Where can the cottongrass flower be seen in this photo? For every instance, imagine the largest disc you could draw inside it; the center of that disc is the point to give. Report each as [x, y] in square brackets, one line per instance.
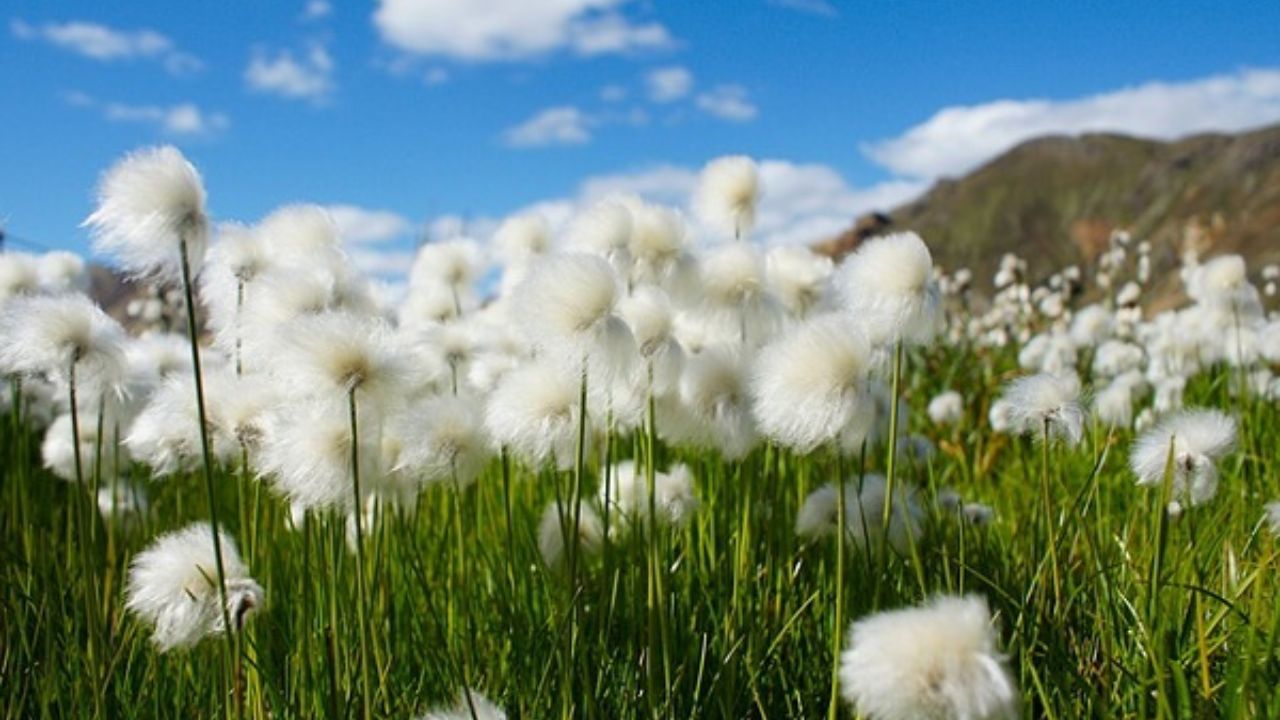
[62, 272]
[798, 277]
[557, 525]
[946, 408]
[45, 336]
[605, 229]
[712, 406]
[864, 515]
[566, 301]
[173, 587]
[809, 384]
[470, 705]
[151, 211]
[726, 196]
[19, 275]
[534, 412]
[443, 440]
[936, 662]
[888, 286]
[453, 265]
[57, 450]
[648, 312]
[1198, 438]
[121, 500]
[306, 452]
[338, 353]
[627, 493]
[1046, 406]
[302, 236]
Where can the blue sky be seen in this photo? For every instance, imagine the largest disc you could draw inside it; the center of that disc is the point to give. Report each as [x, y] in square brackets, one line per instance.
[441, 116]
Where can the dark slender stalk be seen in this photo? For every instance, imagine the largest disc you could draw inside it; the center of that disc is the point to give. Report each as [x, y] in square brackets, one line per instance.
[833, 707]
[193, 334]
[890, 463]
[366, 684]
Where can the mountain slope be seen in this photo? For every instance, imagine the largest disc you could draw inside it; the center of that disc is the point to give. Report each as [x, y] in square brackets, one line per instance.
[1055, 200]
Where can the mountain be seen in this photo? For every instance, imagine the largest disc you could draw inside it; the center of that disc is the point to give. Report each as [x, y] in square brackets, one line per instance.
[1055, 201]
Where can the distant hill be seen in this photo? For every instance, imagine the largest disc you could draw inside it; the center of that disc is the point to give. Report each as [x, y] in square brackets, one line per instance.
[1055, 201]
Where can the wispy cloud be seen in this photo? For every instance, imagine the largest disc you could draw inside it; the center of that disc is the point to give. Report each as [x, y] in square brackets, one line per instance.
[306, 76]
[363, 225]
[316, 10]
[957, 139]
[668, 84]
[821, 8]
[106, 44]
[728, 102]
[563, 125]
[505, 30]
[181, 119]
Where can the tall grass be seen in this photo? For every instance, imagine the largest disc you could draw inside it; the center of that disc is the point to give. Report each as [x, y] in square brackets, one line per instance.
[1147, 616]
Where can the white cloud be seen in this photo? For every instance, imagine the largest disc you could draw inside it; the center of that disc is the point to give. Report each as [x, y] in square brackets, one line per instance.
[822, 8]
[309, 77]
[490, 30]
[435, 76]
[316, 9]
[613, 93]
[105, 44]
[564, 125]
[365, 225]
[728, 102]
[182, 119]
[957, 139]
[669, 84]
[800, 203]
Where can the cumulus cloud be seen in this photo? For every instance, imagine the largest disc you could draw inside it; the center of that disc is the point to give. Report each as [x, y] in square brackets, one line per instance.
[957, 139]
[369, 226]
[181, 119]
[563, 125]
[497, 30]
[668, 84]
[727, 102]
[303, 77]
[106, 44]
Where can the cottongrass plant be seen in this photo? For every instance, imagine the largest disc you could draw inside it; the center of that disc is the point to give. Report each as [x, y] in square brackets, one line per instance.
[935, 662]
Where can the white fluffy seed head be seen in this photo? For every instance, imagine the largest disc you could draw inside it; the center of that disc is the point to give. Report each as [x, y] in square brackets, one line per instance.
[936, 662]
[306, 454]
[1197, 439]
[44, 335]
[864, 515]
[604, 229]
[798, 277]
[713, 405]
[470, 705]
[302, 237]
[557, 525]
[888, 285]
[657, 244]
[1046, 403]
[1091, 325]
[727, 193]
[732, 275]
[173, 586]
[627, 495]
[443, 440]
[149, 204]
[808, 384]
[1271, 516]
[946, 408]
[534, 412]
[566, 300]
[61, 272]
[58, 453]
[19, 275]
[649, 314]
[453, 264]
[523, 238]
[332, 354]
